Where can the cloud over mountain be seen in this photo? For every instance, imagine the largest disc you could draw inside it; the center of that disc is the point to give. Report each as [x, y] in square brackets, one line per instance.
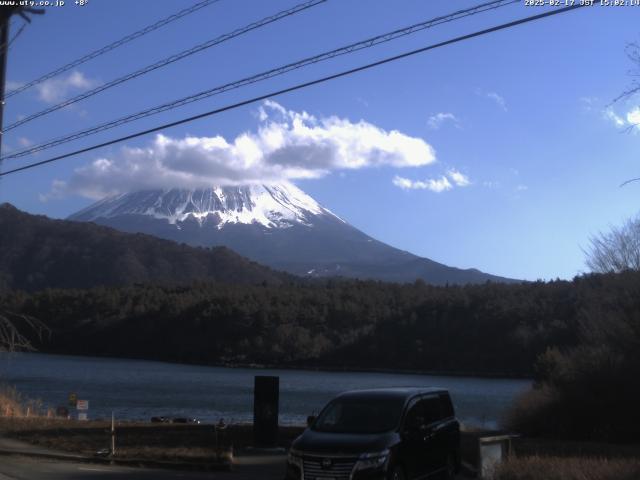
[287, 145]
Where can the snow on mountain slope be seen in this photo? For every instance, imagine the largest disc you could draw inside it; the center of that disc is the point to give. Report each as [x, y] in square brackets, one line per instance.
[271, 206]
[276, 225]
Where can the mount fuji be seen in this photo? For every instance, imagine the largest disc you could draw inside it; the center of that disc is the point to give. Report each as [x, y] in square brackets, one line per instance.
[276, 225]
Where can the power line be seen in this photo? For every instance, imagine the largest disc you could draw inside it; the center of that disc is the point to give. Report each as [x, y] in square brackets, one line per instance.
[368, 43]
[112, 46]
[299, 86]
[168, 60]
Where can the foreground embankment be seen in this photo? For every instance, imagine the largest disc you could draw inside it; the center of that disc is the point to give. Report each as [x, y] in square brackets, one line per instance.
[569, 468]
[136, 440]
[533, 459]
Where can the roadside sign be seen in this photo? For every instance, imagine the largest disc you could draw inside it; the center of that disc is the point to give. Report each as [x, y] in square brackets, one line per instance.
[83, 416]
[493, 451]
[82, 404]
[73, 398]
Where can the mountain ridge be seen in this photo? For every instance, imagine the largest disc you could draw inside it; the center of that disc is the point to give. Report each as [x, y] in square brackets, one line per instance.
[37, 252]
[276, 225]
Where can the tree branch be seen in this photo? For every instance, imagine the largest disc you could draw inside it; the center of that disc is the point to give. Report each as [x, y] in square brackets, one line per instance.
[12, 331]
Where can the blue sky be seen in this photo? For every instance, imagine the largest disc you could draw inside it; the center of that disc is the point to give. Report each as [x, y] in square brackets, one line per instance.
[528, 154]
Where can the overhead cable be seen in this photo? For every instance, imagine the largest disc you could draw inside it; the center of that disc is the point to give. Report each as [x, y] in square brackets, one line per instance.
[167, 61]
[298, 87]
[367, 43]
[112, 46]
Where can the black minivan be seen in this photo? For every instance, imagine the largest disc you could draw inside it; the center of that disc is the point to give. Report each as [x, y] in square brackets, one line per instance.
[382, 434]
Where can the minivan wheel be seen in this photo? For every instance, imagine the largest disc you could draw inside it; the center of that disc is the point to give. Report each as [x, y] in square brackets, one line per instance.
[397, 473]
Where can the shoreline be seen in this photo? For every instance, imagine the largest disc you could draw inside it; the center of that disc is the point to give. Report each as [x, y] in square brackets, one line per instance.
[300, 367]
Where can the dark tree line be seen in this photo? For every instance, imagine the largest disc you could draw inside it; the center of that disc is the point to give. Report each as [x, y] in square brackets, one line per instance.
[590, 389]
[490, 329]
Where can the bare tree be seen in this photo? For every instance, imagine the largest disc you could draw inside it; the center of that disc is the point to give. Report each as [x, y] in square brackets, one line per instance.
[12, 328]
[633, 52]
[617, 250]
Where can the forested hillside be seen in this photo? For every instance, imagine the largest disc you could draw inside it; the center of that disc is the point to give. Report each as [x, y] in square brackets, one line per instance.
[37, 252]
[482, 329]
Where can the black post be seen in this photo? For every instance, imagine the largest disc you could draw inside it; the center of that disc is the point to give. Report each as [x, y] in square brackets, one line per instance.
[5, 15]
[265, 411]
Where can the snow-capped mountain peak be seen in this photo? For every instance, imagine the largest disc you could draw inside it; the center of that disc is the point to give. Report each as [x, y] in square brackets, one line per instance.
[276, 225]
[271, 206]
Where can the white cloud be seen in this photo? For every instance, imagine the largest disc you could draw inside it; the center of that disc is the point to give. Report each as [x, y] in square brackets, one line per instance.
[588, 103]
[633, 116]
[458, 178]
[499, 99]
[521, 188]
[270, 105]
[494, 96]
[287, 145]
[613, 117]
[438, 185]
[436, 121]
[24, 142]
[362, 101]
[56, 89]
[630, 120]
[12, 85]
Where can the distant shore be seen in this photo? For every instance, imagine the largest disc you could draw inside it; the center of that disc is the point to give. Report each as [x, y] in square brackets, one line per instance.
[310, 367]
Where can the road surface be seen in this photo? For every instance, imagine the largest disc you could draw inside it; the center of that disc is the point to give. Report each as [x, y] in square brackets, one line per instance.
[26, 468]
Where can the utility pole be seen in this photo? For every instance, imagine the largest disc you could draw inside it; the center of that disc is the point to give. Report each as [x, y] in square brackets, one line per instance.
[4, 48]
[5, 17]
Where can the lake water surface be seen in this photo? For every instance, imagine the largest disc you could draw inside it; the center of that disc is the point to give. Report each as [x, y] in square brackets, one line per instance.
[139, 389]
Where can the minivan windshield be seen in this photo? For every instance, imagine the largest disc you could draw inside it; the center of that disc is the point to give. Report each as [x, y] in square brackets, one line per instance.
[360, 415]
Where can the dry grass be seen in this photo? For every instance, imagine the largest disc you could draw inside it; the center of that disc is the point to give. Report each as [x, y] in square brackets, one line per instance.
[12, 404]
[568, 468]
[550, 447]
[535, 413]
[173, 454]
[135, 439]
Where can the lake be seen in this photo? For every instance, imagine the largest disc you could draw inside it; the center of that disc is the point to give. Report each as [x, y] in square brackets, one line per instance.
[139, 389]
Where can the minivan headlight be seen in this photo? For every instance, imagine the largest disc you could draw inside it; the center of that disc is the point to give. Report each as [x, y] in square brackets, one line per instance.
[295, 457]
[372, 460]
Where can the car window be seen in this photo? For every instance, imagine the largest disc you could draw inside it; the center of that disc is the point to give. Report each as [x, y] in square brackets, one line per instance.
[415, 416]
[432, 407]
[360, 415]
[332, 416]
[447, 407]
